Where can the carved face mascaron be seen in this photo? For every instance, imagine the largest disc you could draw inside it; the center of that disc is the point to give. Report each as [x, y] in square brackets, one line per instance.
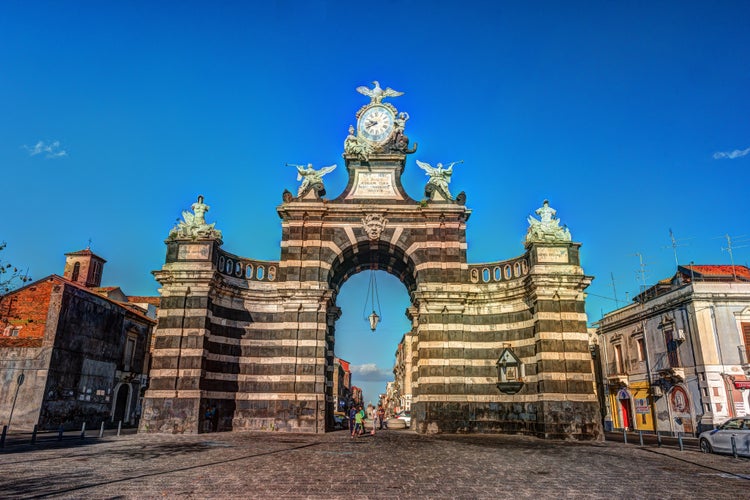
[376, 124]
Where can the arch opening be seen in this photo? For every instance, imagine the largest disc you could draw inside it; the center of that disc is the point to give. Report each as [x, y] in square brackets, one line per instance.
[369, 355]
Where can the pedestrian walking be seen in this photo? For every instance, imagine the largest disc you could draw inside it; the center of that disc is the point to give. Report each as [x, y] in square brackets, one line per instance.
[359, 422]
[373, 416]
[381, 417]
[352, 420]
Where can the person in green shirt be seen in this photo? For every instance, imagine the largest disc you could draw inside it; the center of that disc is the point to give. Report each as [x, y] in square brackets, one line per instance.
[359, 420]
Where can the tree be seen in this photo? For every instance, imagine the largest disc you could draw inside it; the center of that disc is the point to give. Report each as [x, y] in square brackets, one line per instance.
[10, 275]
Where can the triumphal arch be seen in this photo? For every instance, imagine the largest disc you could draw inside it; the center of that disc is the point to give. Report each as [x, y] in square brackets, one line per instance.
[243, 344]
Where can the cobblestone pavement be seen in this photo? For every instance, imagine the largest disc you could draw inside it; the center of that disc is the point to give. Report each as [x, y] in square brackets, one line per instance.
[392, 464]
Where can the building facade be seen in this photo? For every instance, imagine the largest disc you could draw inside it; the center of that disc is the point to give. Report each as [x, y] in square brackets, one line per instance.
[402, 372]
[72, 352]
[676, 360]
[342, 384]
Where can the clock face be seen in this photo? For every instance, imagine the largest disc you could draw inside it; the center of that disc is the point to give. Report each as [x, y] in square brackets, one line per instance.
[376, 124]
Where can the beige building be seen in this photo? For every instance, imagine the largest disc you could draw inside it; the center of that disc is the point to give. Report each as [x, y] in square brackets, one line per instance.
[402, 372]
[676, 360]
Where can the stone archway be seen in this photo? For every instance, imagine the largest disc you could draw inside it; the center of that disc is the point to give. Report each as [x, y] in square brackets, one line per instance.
[256, 337]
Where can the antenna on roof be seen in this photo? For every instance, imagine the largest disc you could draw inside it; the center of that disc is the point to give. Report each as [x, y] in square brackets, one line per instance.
[729, 248]
[614, 290]
[641, 271]
[674, 246]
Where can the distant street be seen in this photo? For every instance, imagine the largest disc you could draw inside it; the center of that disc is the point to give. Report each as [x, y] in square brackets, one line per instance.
[392, 464]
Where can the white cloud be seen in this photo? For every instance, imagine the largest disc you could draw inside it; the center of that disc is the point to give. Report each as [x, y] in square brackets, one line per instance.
[51, 150]
[737, 153]
[369, 372]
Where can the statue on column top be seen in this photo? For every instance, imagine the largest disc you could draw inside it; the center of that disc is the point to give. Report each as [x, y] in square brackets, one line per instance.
[193, 226]
[547, 228]
[440, 177]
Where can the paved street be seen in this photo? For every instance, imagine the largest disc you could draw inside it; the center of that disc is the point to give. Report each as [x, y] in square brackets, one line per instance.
[392, 464]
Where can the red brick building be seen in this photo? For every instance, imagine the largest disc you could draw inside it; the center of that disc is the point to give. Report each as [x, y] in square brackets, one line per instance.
[71, 351]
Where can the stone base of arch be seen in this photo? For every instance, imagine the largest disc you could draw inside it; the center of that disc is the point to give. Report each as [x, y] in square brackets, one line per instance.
[545, 419]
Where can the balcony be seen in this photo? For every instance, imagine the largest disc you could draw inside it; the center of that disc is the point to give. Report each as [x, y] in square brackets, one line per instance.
[674, 374]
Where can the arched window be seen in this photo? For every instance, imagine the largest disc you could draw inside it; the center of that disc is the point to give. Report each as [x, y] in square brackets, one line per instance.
[76, 271]
[249, 272]
[271, 273]
[260, 273]
[498, 274]
[485, 275]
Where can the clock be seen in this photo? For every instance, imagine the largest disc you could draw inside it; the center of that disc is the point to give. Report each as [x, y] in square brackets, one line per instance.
[376, 124]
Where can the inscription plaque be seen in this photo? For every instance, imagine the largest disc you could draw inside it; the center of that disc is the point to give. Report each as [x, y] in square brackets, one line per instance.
[557, 255]
[193, 252]
[374, 184]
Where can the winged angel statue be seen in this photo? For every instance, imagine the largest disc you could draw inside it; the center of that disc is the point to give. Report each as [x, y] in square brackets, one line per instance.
[440, 177]
[309, 176]
[377, 94]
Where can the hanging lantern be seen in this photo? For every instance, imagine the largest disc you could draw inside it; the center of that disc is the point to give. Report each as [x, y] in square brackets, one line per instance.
[373, 319]
[373, 298]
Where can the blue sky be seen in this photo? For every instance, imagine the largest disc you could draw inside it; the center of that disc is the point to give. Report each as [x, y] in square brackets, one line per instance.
[115, 116]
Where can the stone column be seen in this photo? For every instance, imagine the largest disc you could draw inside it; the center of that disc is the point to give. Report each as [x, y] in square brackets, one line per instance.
[565, 382]
[175, 400]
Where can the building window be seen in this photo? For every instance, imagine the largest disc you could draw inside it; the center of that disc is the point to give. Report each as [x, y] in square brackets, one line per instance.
[746, 336]
[618, 359]
[640, 343]
[672, 343]
[14, 332]
[129, 353]
[76, 271]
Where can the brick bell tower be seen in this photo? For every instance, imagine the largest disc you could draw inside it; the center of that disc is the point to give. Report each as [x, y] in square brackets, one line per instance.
[84, 267]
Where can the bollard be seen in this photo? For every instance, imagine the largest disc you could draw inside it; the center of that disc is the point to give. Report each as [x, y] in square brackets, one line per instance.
[101, 430]
[679, 441]
[658, 439]
[734, 447]
[33, 435]
[60, 433]
[83, 431]
[2, 437]
[625, 436]
[119, 427]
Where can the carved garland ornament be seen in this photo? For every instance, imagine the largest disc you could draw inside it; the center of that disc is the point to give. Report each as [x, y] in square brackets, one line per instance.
[374, 224]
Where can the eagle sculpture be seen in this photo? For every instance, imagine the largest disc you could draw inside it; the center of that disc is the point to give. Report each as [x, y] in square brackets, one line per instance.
[377, 94]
